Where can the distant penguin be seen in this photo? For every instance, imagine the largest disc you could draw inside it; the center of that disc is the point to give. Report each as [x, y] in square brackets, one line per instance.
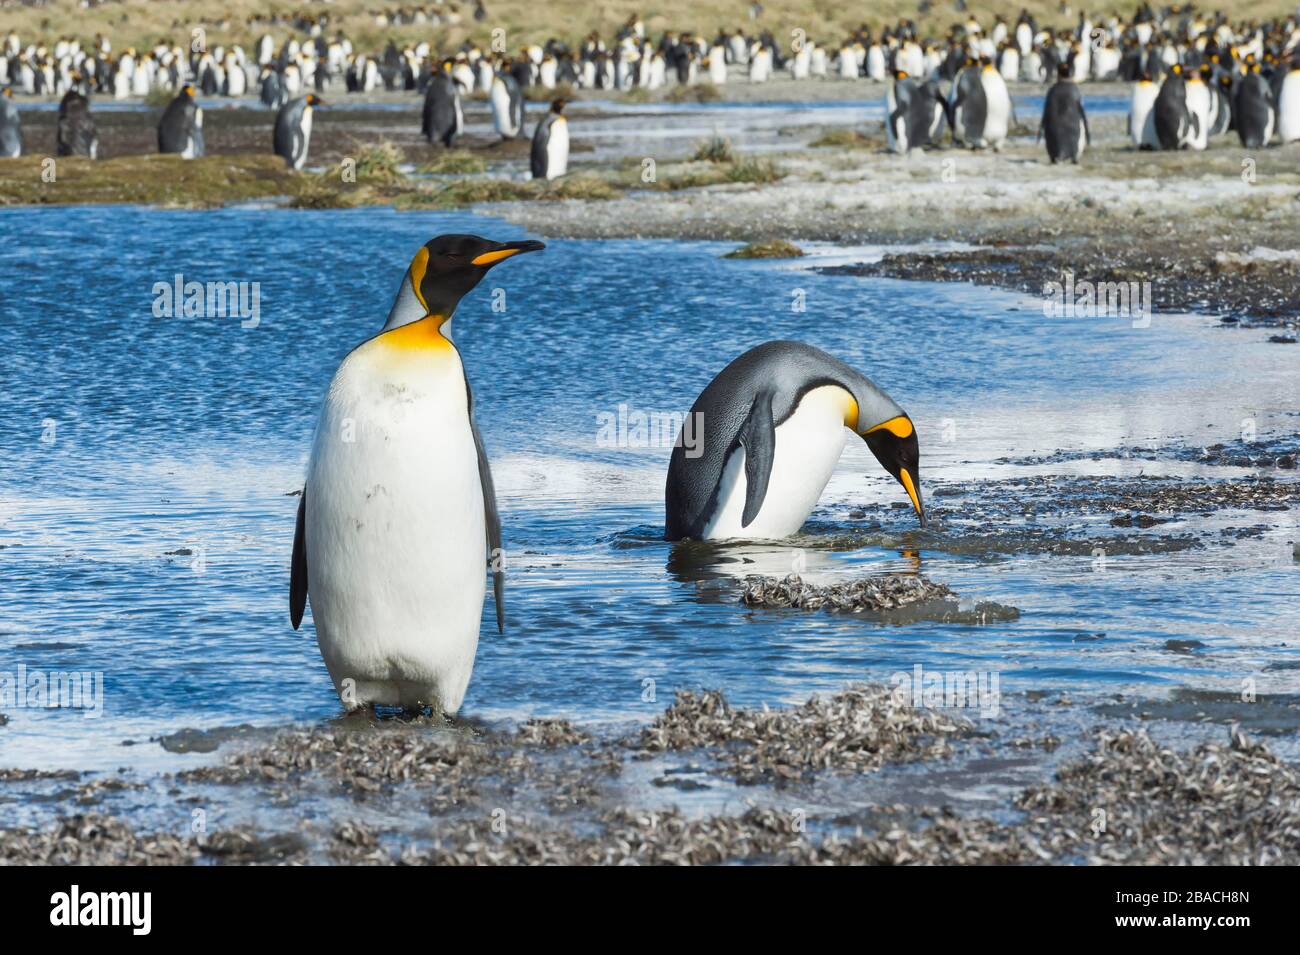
[77, 135]
[507, 103]
[1288, 105]
[1142, 113]
[397, 523]
[442, 120]
[1064, 125]
[180, 131]
[1255, 110]
[999, 113]
[967, 106]
[271, 90]
[773, 428]
[11, 134]
[1175, 124]
[909, 114]
[1222, 90]
[292, 136]
[550, 154]
[1200, 104]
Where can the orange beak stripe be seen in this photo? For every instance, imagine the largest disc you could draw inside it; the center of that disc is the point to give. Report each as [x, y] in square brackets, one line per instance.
[491, 258]
[911, 489]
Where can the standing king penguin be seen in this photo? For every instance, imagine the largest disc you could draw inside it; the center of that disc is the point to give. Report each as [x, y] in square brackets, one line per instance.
[441, 119]
[507, 102]
[77, 134]
[1064, 124]
[11, 133]
[1255, 109]
[773, 428]
[180, 130]
[1176, 125]
[292, 135]
[398, 518]
[550, 153]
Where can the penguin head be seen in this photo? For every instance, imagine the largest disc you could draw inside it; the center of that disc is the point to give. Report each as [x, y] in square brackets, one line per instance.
[314, 100]
[894, 444]
[557, 105]
[444, 270]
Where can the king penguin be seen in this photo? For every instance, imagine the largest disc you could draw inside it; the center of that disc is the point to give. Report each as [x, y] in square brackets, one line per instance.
[507, 103]
[292, 135]
[181, 128]
[773, 428]
[398, 520]
[1176, 125]
[1288, 104]
[550, 154]
[909, 113]
[77, 135]
[1142, 113]
[11, 133]
[441, 120]
[1065, 124]
[1254, 109]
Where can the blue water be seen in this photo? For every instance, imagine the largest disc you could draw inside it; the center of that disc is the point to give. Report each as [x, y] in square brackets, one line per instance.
[174, 434]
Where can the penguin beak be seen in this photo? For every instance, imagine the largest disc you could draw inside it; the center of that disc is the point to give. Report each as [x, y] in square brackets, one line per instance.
[913, 488]
[894, 444]
[504, 250]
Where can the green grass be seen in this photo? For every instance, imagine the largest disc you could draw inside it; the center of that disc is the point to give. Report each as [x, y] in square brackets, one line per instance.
[771, 249]
[453, 162]
[754, 170]
[699, 93]
[716, 149]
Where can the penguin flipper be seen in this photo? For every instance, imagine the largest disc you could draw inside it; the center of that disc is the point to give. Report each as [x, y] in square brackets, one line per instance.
[758, 438]
[298, 566]
[491, 519]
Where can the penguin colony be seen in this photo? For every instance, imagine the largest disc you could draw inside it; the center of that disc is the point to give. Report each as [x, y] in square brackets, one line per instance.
[1194, 76]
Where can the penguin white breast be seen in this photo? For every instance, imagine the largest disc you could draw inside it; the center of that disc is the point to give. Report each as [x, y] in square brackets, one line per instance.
[396, 545]
[557, 149]
[808, 444]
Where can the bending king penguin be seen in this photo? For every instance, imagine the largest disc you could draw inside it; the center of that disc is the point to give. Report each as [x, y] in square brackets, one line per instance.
[398, 519]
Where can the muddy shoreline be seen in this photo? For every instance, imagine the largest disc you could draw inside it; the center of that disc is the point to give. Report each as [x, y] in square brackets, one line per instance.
[553, 793]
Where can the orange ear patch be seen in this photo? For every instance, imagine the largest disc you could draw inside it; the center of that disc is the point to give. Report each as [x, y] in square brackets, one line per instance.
[419, 265]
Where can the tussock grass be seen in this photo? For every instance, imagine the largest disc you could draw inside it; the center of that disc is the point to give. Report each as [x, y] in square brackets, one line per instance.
[771, 249]
[378, 162]
[454, 162]
[754, 170]
[699, 93]
[540, 94]
[148, 179]
[716, 149]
